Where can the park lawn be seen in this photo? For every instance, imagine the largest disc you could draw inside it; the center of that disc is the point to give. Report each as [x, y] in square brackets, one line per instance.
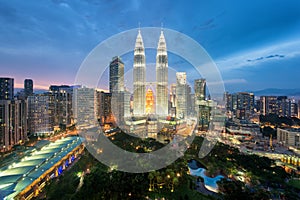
[295, 183]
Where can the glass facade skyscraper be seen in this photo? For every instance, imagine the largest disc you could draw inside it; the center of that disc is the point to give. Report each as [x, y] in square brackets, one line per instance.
[139, 77]
[162, 77]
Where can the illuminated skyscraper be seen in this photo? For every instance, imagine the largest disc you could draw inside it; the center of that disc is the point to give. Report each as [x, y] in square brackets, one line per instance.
[150, 106]
[116, 88]
[181, 93]
[13, 123]
[6, 88]
[28, 87]
[162, 77]
[200, 89]
[139, 77]
[116, 75]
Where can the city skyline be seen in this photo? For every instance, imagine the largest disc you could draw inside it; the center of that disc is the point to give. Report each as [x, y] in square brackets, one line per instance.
[252, 52]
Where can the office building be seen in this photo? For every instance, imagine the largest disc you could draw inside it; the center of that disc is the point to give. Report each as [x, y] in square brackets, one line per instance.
[181, 94]
[173, 100]
[162, 77]
[116, 88]
[200, 89]
[85, 107]
[139, 77]
[28, 87]
[116, 75]
[104, 113]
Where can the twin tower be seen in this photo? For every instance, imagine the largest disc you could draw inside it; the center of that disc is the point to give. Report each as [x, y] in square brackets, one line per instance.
[139, 77]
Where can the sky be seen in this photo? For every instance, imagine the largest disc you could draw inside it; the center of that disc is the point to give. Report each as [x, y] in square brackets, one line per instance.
[255, 44]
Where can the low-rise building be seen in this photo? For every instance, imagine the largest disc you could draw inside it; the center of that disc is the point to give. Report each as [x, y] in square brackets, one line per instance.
[289, 137]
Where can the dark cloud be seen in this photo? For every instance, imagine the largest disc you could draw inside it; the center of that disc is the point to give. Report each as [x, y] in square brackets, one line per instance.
[266, 57]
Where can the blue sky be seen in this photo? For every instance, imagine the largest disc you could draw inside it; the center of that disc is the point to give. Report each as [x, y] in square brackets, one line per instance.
[255, 44]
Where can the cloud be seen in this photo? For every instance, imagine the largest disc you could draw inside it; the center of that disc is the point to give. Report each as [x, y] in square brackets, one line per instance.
[266, 57]
[283, 50]
[229, 81]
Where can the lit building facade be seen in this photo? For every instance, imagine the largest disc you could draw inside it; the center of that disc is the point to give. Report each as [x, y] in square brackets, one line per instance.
[241, 104]
[289, 137]
[13, 123]
[162, 77]
[200, 89]
[127, 106]
[63, 100]
[85, 107]
[41, 114]
[278, 105]
[173, 100]
[6, 88]
[116, 75]
[139, 77]
[150, 102]
[181, 94]
[104, 113]
[116, 88]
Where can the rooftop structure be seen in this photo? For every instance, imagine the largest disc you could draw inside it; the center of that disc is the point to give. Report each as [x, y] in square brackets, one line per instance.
[23, 179]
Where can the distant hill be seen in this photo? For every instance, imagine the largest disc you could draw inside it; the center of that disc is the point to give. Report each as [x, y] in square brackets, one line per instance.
[277, 92]
[36, 91]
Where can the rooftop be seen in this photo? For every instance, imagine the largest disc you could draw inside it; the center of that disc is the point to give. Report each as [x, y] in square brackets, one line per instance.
[17, 176]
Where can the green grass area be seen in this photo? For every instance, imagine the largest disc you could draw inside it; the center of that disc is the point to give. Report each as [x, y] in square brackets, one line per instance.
[295, 183]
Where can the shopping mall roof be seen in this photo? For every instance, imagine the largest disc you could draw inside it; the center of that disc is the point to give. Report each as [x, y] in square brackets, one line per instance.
[17, 176]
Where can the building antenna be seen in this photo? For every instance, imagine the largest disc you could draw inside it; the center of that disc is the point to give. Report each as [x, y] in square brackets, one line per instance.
[162, 25]
[139, 26]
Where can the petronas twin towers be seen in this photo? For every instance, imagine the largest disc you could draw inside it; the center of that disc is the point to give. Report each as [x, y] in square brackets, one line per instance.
[139, 77]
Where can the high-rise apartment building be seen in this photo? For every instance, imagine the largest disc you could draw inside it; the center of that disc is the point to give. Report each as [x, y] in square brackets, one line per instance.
[104, 113]
[41, 114]
[6, 88]
[13, 123]
[278, 105]
[241, 104]
[63, 99]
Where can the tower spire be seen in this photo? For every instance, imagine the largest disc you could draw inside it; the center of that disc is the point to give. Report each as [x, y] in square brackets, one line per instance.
[139, 27]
